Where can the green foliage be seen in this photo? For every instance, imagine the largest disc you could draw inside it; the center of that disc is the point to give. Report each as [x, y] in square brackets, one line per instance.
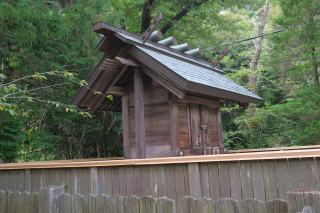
[64, 183]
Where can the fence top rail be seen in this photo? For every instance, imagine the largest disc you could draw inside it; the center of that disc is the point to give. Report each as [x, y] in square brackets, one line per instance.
[306, 153]
[276, 149]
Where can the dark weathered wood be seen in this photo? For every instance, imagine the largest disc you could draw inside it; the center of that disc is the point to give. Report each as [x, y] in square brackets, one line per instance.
[219, 128]
[309, 172]
[116, 204]
[115, 181]
[125, 127]
[195, 126]
[174, 126]
[137, 181]
[101, 203]
[206, 205]
[187, 204]
[204, 179]
[186, 179]
[283, 179]
[179, 181]
[195, 100]
[205, 122]
[108, 180]
[251, 206]
[224, 181]
[122, 181]
[101, 180]
[235, 183]
[214, 181]
[257, 180]
[170, 181]
[296, 201]
[145, 180]
[148, 205]
[277, 206]
[194, 179]
[153, 175]
[299, 198]
[139, 114]
[246, 180]
[295, 173]
[130, 180]
[89, 205]
[85, 179]
[227, 205]
[184, 126]
[162, 181]
[65, 203]
[166, 205]
[77, 203]
[270, 180]
[152, 27]
[131, 204]
[116, 91]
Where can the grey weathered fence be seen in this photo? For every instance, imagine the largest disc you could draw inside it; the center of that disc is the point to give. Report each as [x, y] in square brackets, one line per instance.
[263, 180]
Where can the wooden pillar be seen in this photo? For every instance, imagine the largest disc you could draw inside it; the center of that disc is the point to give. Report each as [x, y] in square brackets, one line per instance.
[125, 127]
[139, 114]
[219, 128]
[174, 127]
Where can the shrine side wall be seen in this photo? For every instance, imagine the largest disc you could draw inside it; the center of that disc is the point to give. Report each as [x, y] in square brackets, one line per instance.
[264, 180]
[157, 123]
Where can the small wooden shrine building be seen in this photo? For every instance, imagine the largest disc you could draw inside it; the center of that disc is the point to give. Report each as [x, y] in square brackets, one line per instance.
[170, 100]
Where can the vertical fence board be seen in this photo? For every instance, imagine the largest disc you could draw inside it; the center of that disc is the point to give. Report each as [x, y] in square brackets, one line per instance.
[93, 181]
[145, 180]
[89, 205]
[101, 180]
[115, 181]
[34, 202]
[85, 180]
[137, 181]
[3, 201]
[283, 180]
[227, 205]
[24, 202]
[246, 182]
[186, 179]
[108, 180]
[318, 170]
[214, 181]
[194, 179]
[148, 205]
[131, 204]
[79, 180]
[27, 181]
[309, 173]
[162, 181]
[187, 204]
[224, 180]
[166, 205]
[270, 180]
[123, 181]
[171, 188]
[257, 180]
[179, 181]
[116, 204]
[130, 180]
[235, 184]
[101, 203]
[251, 206]
[67, 178]
[2, 180]
[277, 206]
[21, 180]
[35, 181]
[153, 174]
[77, 203]
[204, 180]
[295, 173]
[73, 181]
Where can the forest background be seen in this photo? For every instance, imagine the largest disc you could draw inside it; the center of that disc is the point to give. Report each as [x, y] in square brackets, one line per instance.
[47, 49]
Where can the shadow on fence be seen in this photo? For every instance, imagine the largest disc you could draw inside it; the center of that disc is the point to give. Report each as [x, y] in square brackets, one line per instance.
[53, 199]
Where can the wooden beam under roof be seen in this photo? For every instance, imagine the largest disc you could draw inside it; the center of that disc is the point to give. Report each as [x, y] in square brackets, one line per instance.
[116, 91]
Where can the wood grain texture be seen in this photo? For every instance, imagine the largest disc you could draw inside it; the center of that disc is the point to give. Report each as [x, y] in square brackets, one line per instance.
[227, 205]
[283, 180]
[170, 181]
[246, 180]
[196, 100]
[184, 126]
[295, 173]
[125, 127]
[257, 180]
[115, 181]
[153, 175]
[277, 206]
[219, 128]
[162, 181]
[101, 182]
[186, 179]
[139, 115]
[251, 206]
[235, 183]
[213, 126]
[85, 179]
[270, 180]
[108, 180]
[174, 126]
[145, 180]
[309, 173]
[179, 181]
[214, 181]
[195, 126]
[166, 205]
[137, 181]
[131, 204]
[204, 180]
[130, 180]
[224, 180]
[194, 179]
[122, 181]
[205, 133]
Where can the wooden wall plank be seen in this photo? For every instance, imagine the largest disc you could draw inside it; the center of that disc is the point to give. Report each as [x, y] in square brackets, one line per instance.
[270, 180]
[295, 173]
[246, 182]
[125, 127]
[170, 180]
[309, 173]
[257, 180]
[145, 180]
[227, 205]
[162, 181]
[36, 178]
[79, 181]
[179, 181]
[85, 179]
[73, 179]
[224, 180]
[115, 180]
[186, 179]
[318, 170]
[235, 183]
[251, 206]
[194, 179]
[130, 180]
[122, 181]
[67, 178]
[139, 114]
[204, 180]
[219, 128]
[108, 180]
[153, 174]
[174, 126]
[214, 181]
[283, 180]
[101, 180]
[137, 181]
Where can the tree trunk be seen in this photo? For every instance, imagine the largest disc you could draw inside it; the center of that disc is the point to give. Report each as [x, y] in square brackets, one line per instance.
[146, 15]
[315, 68]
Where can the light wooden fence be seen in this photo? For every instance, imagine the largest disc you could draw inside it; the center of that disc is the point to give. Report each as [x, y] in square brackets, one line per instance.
[263, 176]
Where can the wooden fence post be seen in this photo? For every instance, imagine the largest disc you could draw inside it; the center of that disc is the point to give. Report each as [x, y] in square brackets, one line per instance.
[101, 203]
[131, 204]
[49, 198]
[277, 206]
[16, 204]
[89, 206]
[3, 201]
[194, 180]
[77, 203]
[27, 180]
[166, 205]
[187, 204]
[205, 205]
[299, 198]
[227, 205]
[148, 204]
[251, 206]
[94, 183]
[65, 203]
[116, 204]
